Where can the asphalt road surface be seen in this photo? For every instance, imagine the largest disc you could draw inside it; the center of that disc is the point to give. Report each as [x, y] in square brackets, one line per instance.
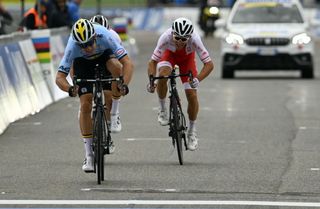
[259, 141]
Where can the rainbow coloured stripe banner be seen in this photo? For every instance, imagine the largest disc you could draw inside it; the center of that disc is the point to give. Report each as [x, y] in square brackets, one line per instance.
[42, 46]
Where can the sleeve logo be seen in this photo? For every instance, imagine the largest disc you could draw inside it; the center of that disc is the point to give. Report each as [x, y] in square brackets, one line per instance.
[120, 52]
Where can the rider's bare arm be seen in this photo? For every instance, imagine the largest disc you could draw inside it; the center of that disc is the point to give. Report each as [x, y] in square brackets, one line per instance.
[206, 70]
[127, 67]
[61, 81]
[152, 67]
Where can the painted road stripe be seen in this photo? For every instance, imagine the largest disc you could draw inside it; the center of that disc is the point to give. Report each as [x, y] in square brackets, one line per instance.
[157, 202]
[147, 139]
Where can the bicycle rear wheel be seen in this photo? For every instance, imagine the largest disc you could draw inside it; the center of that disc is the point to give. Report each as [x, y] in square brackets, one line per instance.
[177, 127]
[99, 135]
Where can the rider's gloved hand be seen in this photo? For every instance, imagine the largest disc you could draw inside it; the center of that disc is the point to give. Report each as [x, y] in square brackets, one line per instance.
[194, 83]
[73, 91]
[150, 88]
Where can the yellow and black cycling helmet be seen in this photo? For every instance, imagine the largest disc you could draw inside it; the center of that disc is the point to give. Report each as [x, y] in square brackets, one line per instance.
[82, 31]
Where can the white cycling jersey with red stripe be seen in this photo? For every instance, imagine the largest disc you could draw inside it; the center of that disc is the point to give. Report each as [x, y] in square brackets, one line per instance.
[194, 43]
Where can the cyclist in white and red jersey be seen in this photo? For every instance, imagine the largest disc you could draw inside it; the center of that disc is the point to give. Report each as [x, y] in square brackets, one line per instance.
[177, 46]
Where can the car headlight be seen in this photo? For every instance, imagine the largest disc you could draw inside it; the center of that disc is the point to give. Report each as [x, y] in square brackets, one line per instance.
[301, 38]
[234, 39]
[214, 10]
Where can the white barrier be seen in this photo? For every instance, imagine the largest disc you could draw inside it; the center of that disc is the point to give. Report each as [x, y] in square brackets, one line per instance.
[41, 88]
[57, 50]
[26, 86]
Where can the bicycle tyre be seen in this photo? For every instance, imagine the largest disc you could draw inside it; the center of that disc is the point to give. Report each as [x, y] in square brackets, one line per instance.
[99, 155]
[177, 127]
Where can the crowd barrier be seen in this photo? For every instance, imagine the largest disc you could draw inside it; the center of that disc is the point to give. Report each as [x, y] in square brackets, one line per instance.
[28, 64]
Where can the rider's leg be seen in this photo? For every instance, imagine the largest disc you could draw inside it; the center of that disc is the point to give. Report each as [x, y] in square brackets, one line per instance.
[193, 108]
[162, 86]
[115, 105]
[115, 115]
[85, 122]
[108, 102]
[115, 68]
[162, 89]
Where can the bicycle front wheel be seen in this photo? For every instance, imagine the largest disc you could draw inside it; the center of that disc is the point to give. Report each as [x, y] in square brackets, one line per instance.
[177, 127]
[99, 135]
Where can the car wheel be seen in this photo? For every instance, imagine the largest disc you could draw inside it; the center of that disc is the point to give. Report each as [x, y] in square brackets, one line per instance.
[227, 72]
[307, 72]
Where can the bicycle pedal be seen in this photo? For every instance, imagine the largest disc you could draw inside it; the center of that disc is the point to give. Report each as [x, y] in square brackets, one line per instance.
[89, 171]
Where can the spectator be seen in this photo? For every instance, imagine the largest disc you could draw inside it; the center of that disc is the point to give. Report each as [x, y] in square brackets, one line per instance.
[5, 19]
[33, 20]
[59, 15]
[73, 9]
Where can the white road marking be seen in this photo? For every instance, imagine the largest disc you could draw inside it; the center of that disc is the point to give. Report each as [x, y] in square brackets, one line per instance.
[27, 123]
[315, 169]
[158, 202]
[170, 190]
[310, 127]
[147, 139]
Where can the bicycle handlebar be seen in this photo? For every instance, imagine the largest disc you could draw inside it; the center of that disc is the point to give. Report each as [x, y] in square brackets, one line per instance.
[153, 78]
[80, 80]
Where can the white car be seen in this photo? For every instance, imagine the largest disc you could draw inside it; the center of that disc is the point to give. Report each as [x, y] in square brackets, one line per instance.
[267, 35]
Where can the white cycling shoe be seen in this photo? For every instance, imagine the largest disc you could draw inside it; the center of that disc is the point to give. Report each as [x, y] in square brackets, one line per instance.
[163, 117]
[112, 148]
[88, 164]
[192, 141]
[115, 124]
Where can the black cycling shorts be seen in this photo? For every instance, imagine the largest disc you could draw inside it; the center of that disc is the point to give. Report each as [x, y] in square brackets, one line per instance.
[84, 68]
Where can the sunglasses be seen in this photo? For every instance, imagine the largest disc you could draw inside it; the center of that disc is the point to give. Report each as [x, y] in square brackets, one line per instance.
[87, 44]
[180, 38]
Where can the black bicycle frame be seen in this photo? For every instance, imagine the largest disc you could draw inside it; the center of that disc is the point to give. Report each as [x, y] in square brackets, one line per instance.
[101, 129]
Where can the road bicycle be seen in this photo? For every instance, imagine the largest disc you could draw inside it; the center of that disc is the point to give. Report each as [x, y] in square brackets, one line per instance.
[101, 128]
[177, 121]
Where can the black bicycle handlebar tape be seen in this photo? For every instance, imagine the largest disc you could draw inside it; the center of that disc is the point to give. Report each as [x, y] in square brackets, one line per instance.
[121, 79]
[71, 91]
[190, 75]
[74, 80]
[151, 80]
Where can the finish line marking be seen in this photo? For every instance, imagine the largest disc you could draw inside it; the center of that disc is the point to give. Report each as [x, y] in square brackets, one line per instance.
[157, 202]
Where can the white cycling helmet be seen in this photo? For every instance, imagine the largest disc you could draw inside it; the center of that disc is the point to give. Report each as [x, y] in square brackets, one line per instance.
[82, 31]
[182, 27]
[102, 20]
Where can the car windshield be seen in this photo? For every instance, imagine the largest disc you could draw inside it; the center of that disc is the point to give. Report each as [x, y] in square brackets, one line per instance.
[268, 13]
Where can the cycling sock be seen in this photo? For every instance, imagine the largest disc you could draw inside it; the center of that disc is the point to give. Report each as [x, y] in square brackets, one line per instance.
[162, 103]
[88, 146]
[115, 106]
[192, 126]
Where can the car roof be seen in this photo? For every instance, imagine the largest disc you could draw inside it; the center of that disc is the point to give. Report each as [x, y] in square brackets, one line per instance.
[240, 2]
